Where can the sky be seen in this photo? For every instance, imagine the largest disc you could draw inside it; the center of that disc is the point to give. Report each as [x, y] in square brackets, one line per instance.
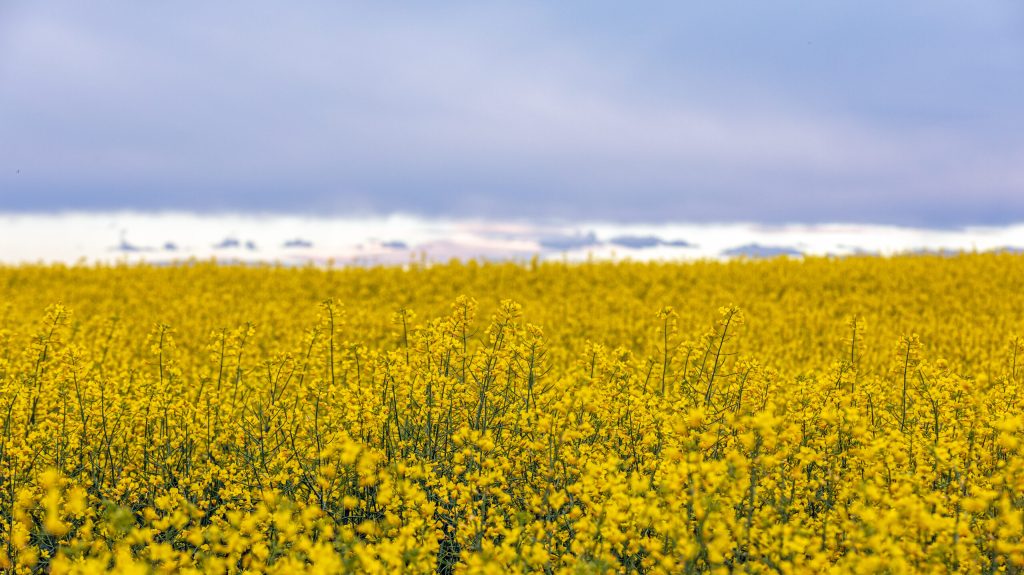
[904, 113]
[162, 238]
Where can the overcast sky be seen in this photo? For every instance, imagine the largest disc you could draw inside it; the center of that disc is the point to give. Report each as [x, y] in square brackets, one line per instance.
[904, 112]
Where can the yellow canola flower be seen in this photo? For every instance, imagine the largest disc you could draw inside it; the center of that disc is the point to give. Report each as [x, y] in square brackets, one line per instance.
[558, 418]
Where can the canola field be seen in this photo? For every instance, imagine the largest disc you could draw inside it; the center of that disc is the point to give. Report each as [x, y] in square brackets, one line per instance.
[858, 415]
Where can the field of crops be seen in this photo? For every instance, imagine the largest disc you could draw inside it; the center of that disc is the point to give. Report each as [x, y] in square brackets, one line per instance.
[858, 415]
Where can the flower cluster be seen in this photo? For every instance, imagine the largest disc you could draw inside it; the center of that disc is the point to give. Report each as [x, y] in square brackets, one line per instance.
[856, 415]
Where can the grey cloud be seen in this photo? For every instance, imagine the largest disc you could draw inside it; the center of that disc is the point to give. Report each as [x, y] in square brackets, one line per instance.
[566, 242]
[514, 110]
[758, 251]
[298, 243]
[641, 242]
[227, 243]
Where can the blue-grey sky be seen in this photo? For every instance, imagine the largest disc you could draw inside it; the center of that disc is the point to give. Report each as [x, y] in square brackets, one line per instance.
[903, 112]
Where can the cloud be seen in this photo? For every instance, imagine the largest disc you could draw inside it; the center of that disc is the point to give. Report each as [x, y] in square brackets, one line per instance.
[517, 110]
[127, 236]
[649, 241]
[758, 251]
[566, 242]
